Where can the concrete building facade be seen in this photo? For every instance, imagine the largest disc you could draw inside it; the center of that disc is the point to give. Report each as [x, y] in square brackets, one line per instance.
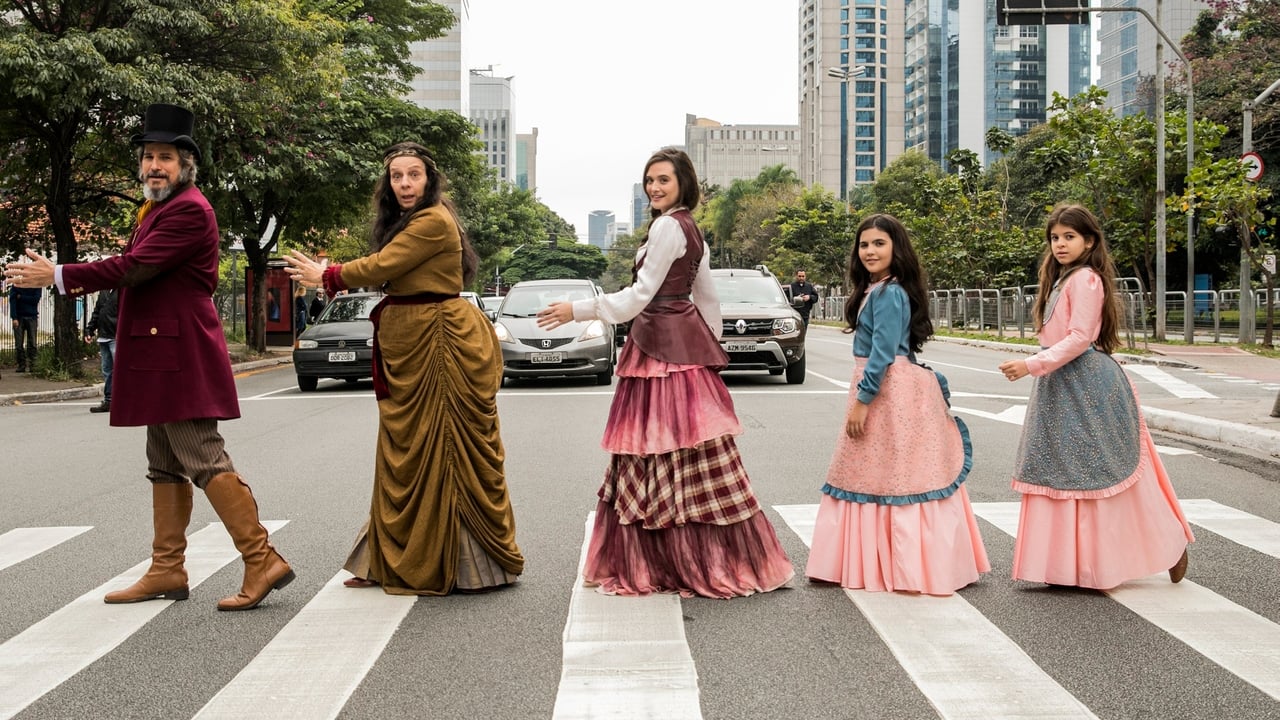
[724, 153]
[601, 229]
[527, 160]
[493, 112]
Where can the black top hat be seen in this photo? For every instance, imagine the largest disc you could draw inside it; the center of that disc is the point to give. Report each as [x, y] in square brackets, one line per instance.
[168, 124]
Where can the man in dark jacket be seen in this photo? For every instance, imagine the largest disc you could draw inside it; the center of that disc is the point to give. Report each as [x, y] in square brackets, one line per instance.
[803, 295]
[174, 375]
[103, 324]
[24, 310]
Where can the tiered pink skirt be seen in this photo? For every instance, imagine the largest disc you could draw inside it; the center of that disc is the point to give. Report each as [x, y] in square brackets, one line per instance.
[895, 515]
[1102, 542]
[676, 511]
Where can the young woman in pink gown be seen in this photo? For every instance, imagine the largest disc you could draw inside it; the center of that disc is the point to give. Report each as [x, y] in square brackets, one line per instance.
[1097, 505]
[895, 513]
[676, 512]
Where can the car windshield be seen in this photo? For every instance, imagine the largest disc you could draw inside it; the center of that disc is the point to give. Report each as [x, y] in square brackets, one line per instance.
[346, 308]
[527, 301]
[749, 289]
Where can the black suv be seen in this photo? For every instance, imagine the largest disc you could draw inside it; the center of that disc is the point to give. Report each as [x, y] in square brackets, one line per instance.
[762, 331]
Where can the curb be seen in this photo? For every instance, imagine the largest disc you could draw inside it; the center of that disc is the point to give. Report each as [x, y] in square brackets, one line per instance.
[94, 391]
[1221, 431]
[1122, 358]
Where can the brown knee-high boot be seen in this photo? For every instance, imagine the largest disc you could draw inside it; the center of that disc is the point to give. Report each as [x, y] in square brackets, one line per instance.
[166, 579]
[264, 569]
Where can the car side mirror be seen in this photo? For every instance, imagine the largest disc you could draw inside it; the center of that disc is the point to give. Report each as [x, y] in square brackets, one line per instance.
[492, 315]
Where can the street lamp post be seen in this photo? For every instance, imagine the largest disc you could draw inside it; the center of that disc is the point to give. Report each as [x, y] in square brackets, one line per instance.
[497, 267]
[843, 75]
[1248, 313]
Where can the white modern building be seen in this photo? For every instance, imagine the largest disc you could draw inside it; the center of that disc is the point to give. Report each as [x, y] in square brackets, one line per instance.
[526, 177]
[442, 82]
[493, 112]
[601, 229]
[1127, 49]
[724, 153]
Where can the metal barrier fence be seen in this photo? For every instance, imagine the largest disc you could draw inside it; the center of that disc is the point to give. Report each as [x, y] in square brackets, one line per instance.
[44, 322]
[1009, 311]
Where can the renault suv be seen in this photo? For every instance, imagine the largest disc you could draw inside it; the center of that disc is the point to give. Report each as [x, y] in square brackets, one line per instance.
[762, 331]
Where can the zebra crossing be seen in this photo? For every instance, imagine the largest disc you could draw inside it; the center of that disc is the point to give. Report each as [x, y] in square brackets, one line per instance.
[630, 657]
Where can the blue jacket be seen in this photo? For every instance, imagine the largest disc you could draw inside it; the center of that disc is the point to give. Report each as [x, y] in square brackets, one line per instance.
[24, 303]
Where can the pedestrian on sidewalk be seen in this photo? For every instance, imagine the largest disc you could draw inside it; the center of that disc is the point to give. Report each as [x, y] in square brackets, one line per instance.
[440, 519]
[102, 323]
[895, 513]
[676, 512]
[317, 306]
[803, 295]
[1097, 505]
[174, 375]
[24, 310]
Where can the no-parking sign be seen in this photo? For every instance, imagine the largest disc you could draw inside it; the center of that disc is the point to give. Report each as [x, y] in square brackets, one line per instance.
[1253, 166]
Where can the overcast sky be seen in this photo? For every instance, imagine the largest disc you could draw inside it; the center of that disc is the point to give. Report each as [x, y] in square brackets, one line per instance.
[607, 82]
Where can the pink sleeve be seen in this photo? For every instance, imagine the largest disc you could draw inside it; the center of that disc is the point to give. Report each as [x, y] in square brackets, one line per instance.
[1075, 322]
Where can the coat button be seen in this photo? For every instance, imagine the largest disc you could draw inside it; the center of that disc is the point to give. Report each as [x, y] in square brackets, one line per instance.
[153, 331]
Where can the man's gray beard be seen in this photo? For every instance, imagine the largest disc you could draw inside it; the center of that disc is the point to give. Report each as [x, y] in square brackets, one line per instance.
[157, 195]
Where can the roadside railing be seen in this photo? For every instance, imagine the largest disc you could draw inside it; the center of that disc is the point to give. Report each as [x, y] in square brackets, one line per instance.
[1009, 311]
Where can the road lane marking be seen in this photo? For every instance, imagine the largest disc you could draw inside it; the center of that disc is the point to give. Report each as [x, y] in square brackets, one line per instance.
[312, 666]
[1016, 415]
[1170, 384]
[838, 383]
[44, 655]
[959, 659]
[1239, 640]
[1235, 525]
[625, 656]
[21, 543]
[970, 368]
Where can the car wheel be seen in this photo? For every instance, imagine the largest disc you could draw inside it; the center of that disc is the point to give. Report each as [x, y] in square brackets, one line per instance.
[605, 378]
[795, 372]
[306, 383]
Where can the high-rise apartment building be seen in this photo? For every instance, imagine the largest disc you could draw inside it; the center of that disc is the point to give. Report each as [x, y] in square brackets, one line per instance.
[639, 207]
[851, 90]
[442, 82]
[724, 153]
[527, 160]
[1127, 49]
[493, 112]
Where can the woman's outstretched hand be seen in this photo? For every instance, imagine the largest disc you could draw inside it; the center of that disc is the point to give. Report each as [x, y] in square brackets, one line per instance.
[304, 269]
[555, 315]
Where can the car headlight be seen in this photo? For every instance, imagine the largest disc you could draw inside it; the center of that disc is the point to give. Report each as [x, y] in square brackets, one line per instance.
[308, 344]
[784, 326]
[504, 335]
[595, 329]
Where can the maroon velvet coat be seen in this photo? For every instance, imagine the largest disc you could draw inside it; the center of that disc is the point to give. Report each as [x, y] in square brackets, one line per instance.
[171, 356]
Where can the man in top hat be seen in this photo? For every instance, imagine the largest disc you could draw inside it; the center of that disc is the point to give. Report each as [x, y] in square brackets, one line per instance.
[172, 373]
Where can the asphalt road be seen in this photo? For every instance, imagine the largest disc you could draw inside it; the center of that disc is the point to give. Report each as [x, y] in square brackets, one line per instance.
[1207, 648]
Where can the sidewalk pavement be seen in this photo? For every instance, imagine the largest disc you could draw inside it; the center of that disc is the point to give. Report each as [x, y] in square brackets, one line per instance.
[1241, 423]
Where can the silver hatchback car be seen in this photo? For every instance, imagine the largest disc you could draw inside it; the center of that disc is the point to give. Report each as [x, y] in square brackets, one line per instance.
[575, 348]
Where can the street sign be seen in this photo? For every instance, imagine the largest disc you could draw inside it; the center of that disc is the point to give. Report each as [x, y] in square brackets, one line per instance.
[1269, 262]
[1253, 166]
[1047, 12]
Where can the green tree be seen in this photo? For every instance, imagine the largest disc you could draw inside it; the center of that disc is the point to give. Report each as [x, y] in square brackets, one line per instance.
[567, 259]
[816, 232]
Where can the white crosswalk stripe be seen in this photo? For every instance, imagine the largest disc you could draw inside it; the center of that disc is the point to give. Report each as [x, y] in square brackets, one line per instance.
[309, 675]
[960, 660]
[625, 656]
[1174, 386]
[22, 543]
[44, 655]
[1234, 637]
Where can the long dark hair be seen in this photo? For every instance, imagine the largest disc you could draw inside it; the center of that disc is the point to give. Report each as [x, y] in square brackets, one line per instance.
[686, 176]
[1098, 257]
[389, 218]
[906, 270]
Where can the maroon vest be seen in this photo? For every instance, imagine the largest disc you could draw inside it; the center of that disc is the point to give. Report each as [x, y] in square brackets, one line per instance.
[670, 328]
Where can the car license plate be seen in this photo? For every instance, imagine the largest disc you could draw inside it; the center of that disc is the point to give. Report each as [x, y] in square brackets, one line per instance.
[740, 347]
[349, 356]
[546, 358]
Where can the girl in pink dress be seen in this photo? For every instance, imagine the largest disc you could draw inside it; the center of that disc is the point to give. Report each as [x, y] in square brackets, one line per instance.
[1097, 505]
[894, 513]
[676, 512]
